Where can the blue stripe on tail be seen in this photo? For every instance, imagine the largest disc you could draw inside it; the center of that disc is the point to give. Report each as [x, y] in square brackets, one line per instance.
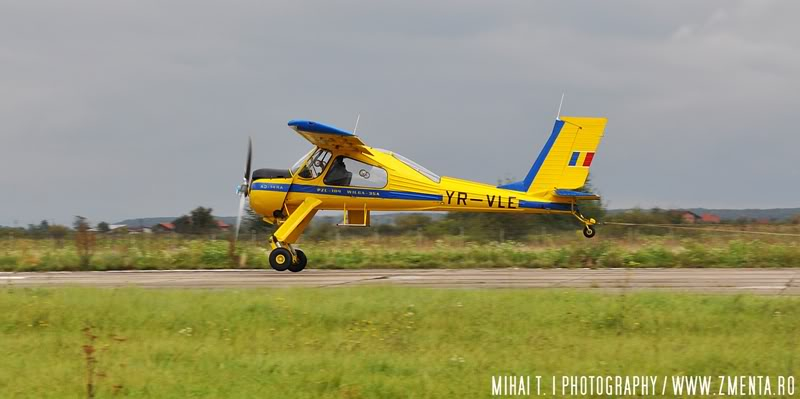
[574, 160]
[526, 184]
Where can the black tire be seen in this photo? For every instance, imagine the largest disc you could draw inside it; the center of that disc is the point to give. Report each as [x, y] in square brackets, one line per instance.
[589, 231]
[301, 262]
[280, 259]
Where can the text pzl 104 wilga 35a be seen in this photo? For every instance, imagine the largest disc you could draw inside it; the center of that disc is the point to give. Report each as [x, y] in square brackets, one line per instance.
[343, 173]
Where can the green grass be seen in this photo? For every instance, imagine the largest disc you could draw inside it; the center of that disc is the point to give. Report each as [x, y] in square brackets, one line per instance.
[137, 252]
[388, 342]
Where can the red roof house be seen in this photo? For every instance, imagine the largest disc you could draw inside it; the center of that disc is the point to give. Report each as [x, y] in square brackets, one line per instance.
[164, 228]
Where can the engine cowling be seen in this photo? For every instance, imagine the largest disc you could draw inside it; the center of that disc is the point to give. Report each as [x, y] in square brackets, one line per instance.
[268, 192]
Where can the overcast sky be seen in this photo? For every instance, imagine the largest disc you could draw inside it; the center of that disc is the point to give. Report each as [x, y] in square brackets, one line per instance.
[118, 109]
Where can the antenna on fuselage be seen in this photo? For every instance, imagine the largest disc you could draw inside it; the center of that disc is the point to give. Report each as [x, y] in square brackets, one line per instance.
[558, 116]
[358, 118]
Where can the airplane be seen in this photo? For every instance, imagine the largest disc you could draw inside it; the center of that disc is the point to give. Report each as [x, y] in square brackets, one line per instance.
[342, 173]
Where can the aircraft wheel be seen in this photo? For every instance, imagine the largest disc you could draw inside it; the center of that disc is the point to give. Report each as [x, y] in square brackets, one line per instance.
[301, 262]
[589, 231]
[280, 259]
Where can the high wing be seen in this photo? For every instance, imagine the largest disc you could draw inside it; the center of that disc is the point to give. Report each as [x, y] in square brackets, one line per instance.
[329, 137]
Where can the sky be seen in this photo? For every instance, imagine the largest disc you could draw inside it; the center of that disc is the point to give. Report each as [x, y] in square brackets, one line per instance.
[125, 109]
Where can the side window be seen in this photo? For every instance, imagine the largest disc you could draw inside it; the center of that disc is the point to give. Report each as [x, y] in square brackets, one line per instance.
[316, 164]
[351, 173]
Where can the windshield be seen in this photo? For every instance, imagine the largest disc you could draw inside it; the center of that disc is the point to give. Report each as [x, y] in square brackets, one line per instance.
[413, 165]
[301, 161]
[315, 164]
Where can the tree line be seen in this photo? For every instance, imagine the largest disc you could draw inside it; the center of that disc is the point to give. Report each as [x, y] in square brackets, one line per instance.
[473, 226]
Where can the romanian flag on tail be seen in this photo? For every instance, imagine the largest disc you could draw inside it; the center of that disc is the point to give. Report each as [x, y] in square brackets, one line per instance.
[581, 158]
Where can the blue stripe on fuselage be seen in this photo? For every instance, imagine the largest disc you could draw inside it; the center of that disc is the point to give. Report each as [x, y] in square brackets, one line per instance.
[553, 206]
[388, 194]
[346, 191]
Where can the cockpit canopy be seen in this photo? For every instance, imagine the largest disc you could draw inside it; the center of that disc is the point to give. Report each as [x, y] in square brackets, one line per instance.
[413, 165]
[311, 166]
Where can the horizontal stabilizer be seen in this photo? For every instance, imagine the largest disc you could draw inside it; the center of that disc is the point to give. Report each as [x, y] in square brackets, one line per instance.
[576, 194]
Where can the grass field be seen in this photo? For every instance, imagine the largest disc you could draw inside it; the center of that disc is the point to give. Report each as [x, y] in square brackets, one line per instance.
[562, 250]
[387, 342]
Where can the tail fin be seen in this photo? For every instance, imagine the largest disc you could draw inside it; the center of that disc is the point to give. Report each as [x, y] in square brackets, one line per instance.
[566, 157]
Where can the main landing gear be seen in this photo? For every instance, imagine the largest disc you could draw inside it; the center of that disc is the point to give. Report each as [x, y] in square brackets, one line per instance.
[589, 228]
[284, 257]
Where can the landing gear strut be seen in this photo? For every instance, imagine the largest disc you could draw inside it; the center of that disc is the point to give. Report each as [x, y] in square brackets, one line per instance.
[284, 257]
[301, 262]
[589, 228]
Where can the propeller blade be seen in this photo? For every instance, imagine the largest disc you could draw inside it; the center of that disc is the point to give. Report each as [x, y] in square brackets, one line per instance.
[244, 188]
[239, 218]
[249, 161]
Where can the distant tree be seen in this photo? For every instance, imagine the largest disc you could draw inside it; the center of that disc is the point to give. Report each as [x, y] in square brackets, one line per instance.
[84, 241]
[202, 220]
[39, 230]
[795, 219]
[80, 222]
[320, 231]
[12, 232]
[57, 232]
[183, 224]
[387, 229]
[742, 220]
[652, 216]
[495, 226]
[253, 222]
[103, 227]
[591, 209]
[443, 227]
[198, 221]
[412, 222]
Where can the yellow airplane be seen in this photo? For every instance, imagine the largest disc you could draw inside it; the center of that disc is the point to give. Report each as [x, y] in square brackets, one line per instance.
[343, 173]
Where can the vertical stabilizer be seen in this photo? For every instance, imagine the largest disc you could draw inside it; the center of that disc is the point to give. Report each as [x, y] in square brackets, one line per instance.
[566, 158]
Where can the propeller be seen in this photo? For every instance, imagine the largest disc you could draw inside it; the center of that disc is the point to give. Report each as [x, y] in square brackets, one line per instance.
[243, 188]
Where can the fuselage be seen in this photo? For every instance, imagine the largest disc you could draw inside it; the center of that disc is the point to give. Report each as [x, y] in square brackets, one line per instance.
[379, 180]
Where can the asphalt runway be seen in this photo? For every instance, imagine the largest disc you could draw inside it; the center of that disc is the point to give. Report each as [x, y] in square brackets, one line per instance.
[761, 281]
